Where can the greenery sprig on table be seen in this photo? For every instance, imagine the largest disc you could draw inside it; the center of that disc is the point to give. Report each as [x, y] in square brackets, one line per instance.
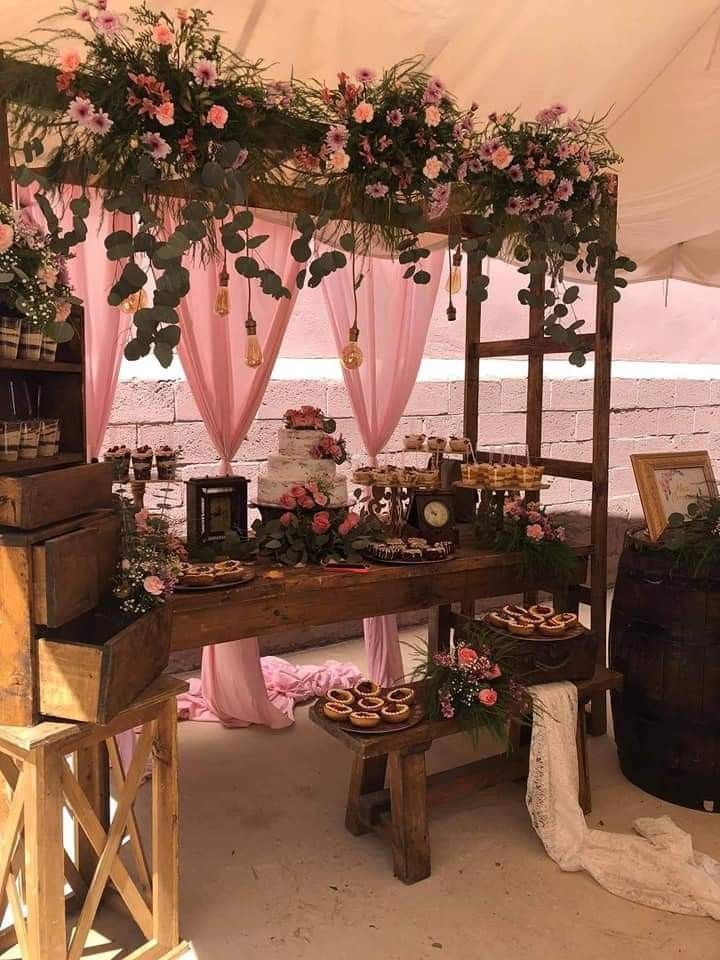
[176, 129]
[695, 539]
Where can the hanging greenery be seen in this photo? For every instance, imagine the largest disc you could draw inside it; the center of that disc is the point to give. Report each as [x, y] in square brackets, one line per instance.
[178, 131]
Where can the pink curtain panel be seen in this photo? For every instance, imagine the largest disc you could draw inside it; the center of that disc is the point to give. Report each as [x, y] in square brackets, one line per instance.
[394, 316]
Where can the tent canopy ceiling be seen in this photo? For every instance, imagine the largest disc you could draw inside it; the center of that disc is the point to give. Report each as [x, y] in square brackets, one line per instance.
[656, 67]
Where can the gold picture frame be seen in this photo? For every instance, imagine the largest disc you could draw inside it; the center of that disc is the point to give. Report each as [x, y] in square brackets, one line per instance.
[667, 482]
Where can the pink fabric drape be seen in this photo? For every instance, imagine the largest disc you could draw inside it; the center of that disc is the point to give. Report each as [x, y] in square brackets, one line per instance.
[106, 328]
[393, 315]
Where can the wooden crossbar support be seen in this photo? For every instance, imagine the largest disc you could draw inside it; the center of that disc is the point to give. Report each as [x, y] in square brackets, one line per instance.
[523, 347]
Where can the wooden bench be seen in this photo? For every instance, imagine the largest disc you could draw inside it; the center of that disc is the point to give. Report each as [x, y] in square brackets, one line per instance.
[401, 810]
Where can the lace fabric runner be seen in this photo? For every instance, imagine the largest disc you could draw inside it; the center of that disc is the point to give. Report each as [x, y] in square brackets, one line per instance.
[658, 867]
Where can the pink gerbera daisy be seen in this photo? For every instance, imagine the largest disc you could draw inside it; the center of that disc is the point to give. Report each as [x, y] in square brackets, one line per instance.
[394, 117]
[80, 110]
[107, 23]
[205, 72]
[99, 122]
[365, 75]
[337, 136]
[156, 146]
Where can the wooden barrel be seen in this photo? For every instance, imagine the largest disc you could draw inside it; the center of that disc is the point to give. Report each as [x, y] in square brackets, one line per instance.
[665, 640]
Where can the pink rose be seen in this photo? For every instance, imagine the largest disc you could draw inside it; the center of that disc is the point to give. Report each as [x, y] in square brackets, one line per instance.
[287, 501]
[321, 500]
[535, 531]
[501, 157]
[466, 656]
[69, 61]
[217, 116]
[312, 487]
[297, 491]
[286, 519]
[344, 528]
[165, 113]
[321, 522]
[363, 112]
[348, 524]
[162, 34]
[7, 236]
[493, 673]
[487, 697]
[307, 502]
[154, 586]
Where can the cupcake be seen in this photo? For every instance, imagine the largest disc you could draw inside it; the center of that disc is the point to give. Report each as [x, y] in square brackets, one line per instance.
[119, 457]
[166, 459]
[436, 443]
[142, 458]
[9, 338]
[9, 441]
[413, 441]
[30, 341]
[459, 444]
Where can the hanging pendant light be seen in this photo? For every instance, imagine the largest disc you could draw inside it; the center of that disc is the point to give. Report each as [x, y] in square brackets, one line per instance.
[253, 350]
[454, 280]
[133, 303]
[352, 356]
[222, 297]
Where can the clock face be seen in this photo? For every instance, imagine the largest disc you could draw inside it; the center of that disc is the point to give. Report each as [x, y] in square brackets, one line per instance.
[436, 514]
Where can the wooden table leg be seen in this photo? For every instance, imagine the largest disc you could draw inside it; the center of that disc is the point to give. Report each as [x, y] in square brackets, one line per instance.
[367, 777]
[165, 867]
[439, 629]
[584, 795]
[408, 798]
[93, 775]
[44, 871]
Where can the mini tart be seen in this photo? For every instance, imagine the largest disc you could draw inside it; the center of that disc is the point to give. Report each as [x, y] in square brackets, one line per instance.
[336, 711]
[198, 575]
[567, 619]
[496, 619]
[371, 704]
[395, 712]
[229, 570]
[340, 695]
[366, 688]
[362, 718]
[401, 695]
[513, 610]
[522, 629]
[550, 629]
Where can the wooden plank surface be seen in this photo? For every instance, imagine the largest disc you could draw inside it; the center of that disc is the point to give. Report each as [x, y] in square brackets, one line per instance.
[18, 703]
[65, 579]
[165, 813]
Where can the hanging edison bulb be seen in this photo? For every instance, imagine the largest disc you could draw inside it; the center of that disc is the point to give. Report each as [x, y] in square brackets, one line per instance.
[454, 280]
[352, 356]
[253, 350]
[222, 297]
[133, 303]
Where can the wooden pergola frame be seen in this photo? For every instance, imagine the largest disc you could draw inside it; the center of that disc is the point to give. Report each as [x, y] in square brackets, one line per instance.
[535, 347]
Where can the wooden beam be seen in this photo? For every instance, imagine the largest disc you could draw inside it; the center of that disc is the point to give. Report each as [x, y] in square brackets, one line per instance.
[523, 347]
[570, 469]
[533, 421]
[5, 161]
[472, 362]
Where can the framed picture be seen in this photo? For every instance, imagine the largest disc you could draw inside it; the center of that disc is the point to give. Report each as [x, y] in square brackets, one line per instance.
[669, 482]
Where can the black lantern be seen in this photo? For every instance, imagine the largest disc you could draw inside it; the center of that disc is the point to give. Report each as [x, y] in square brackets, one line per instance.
[216, 506]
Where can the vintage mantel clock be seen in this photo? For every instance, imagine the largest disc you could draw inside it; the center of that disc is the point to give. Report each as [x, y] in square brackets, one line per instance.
[432, 514]
[216, 506]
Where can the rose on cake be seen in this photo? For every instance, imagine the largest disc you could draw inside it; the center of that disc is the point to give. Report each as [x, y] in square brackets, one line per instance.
[330, 448]
[308, 417]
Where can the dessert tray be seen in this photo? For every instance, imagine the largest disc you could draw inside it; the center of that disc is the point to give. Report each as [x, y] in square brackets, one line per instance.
[213, 576]
[409, 552]
[391, 476]
[370, 709]
[538, 622]
[499, 486]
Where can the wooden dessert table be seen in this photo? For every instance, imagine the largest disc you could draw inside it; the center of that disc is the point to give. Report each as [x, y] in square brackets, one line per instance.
[310, 596]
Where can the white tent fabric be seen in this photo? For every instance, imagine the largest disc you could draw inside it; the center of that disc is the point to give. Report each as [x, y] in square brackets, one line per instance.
[654, 65]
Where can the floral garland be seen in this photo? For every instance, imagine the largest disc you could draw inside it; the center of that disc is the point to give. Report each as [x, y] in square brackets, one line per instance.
[34, 282]
[151, 102]
[310, 532]
[151, 562]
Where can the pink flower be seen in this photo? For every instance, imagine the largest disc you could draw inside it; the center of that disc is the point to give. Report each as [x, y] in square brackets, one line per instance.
[297, 491]
[563, 151]
[434, 91]
[125, 564]
[394, 117]
[365, 75]
[513, 206]
[205, 72]
[377, 190]
[321, 522]
[564, 190]
[7, 236]
[432, 168]
[534, 516]
[535, 532]
[287, 501]
[69, 61]
[84, 14]
[488, 697]
[363, 112]
[99, 122]
[286, 519]
[80, 110]
[154, 586]
[432, 115]
[156, 146]
[549, 208]
[62, 311]
[584, 171]
[162, 34]
[307, 502]
[217, 116]
[439, 199]
[544, 177]
[560, 533]
[515, 173]
[182, 15]
[493, 673]
[320, 499]
[312, 487]
[337, 136]
[165, 113]
[338, 161]
[501, 157]
[466, 656]
[348, 524]
[107, 23]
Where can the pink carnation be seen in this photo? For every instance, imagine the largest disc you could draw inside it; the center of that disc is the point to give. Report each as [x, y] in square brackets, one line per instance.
[348, 524]
[165, 113]
[535, 532]
[501, 157]
[69, 61]
[162, 34]
[488, 697]
[363, 112]
[217, 116]
[544, 177]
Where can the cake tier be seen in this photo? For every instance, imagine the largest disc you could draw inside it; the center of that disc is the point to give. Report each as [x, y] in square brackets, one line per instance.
[300, 469]
[298, 443]
[270, 489]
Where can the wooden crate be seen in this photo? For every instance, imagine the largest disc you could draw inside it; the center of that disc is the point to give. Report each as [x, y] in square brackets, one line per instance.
[88, 672]
[33, 500]
[65, 580]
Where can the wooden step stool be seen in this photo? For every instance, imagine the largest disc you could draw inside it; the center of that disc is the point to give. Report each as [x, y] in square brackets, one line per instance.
[400, 812]
[34, 866]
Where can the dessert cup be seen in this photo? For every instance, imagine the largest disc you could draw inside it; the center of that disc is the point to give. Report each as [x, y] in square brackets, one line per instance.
[166, 459]
[29, 439]
[9, 441]
[30, 342]
[49, 440]
[9, 338]
[142, 459]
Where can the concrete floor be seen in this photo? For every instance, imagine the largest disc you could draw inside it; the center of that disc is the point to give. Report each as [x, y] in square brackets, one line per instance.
[268, 870]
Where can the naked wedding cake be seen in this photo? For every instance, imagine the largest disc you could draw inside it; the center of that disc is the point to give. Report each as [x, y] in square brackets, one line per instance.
[307, 453]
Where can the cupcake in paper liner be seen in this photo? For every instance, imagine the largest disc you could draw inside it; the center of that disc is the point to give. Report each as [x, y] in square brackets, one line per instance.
[142, 458]
[9, 441]
[166, 459]
[9, 338]
[119, 457]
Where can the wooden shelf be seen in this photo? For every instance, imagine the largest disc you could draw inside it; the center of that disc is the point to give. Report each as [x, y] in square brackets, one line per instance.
[40, 463]
[40, 366]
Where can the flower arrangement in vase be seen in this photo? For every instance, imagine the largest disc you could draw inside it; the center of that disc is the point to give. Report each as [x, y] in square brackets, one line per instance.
[151, 559]
[311, 531]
